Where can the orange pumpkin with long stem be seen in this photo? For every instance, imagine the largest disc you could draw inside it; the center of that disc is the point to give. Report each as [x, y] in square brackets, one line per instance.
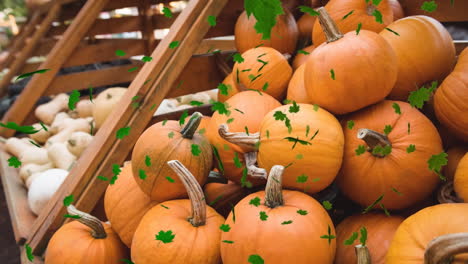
[125, 204]
[245, 112]
[380, 229]
[451, 99]
[283, 37]
[460, 183]
[187, 231]
[296, 88]
[306, 139]
[432, 236]
[86, 240]
[164, 141]
[331, 69]
[390, 165]
[277, 214]
[412, 39]
[349, 13]
[264, 69]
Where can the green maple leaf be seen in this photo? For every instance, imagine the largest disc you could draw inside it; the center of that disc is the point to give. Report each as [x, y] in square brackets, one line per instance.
[265, 87]
[265, 12]
[237, 58]
[302, 212]
[244, 181]
[147, 161]
[429, 6]
[14, 162]
[123, 132]
[146, 59]
[170, 134]
[73, 99]
[287, 222]
[302, 178]
[225, 227]
[120, 53]
[255, 201]
[360, 150]
[174, 44]
[21, 129]
[230, 120]
[294, 108]
[379, 199]
[102, 178]
[165, 236]
[329, 236]
[410, 148]
[142, 174]
[196, 150]
[211, 20]
[387, 129]
[327, 205]
[378, 16]
[29, 253]
[167, 12]
[436, 162]
[363, 238]
[350, 124]
[263, 216]
[255, 259]
[303, 52]
[419, 97]
[28, 74]
[67, 201]
[196, 103]
[223, 89]
[278, 115]
[221, 108]
[397, 108]
[351, 239]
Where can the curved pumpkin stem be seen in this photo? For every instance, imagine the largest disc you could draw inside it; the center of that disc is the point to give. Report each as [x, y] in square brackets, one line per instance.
[273, 189]
[246, 141]
[192, 125]
[446, 194]
[329, 27]
[194, 190]
[362, 253]
[441, 249]
[373, 139]
[216, 177]
[252, 169]
[90, 221]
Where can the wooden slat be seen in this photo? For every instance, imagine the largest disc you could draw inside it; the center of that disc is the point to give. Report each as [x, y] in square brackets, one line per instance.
[57, 57]
[146, 13]
[45, 46]
[152, 85]
[445, 12]
[227, 19]
[17, 199]
[96, 78]
[210, 45]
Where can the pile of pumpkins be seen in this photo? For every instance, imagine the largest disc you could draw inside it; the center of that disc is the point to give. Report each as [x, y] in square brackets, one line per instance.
[47, 156]
[352, 116]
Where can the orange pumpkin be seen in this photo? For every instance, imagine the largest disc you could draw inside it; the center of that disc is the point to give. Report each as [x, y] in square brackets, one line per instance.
[222, 196]
[367, 175]
[301, 58]
[265, 70]
[187, 231]
[86, 240]
[311, 146]
[415, 236]
[296, 89]
[283, 221]
[232, 88]
[455, 154]
[251, 108]
[362, 12]
[332, 68]
[417, 37]
[398, 12]
[305, 25]
[461, 179]
[125, 204]
[380, 229]
[451, 99]
[283, 37]
[164, 141]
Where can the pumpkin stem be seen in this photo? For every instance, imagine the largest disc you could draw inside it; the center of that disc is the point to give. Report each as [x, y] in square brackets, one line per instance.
[273, 190]
[251, 164]
[446, 194]
[108, 96]
[287, 56]
[195, 193]
[373, 139]
[362, 253]
[98, 231]
[329, 27]
[441, 249]
[192, 125]
[248, 142]
[72, 142]
[217, 177]
[371, 8]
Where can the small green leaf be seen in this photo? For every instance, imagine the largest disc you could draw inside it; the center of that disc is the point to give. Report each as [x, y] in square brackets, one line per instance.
[302, 178]
[237, 162]
[329, 237]
[263, 216]
[220, 108]
[244, 181]
[332, 74]
[35, 144]
[359, 26]
[309, 10]
[397, 108]
[299, 156]
[127, 261]
[360, 150]
[170, 134]
[419, 97]
[223, 89]
[378, 16]
[120, 53]
[29, 253]
[73, 99]
[132, 69]
[350, 124]
[294, 108]
[212, 20]
[409, 128]
[218, 158]
[429, 6]
[396, 191]
[367, 209]
[351, 239]
[165, 236]
[228, 241]
[14, 162]
[183, 116]
[265, 87]
[347, 15]
[142, 174]
[237, 58]
[303, 52]
[167, 12]
[230, 120]
[327, 205]
[146, 59]
[196, 103]
[255, 259]
[436, 162]
[410, 148]
[387, 129]
[255, 201]
[102, 178]
[225, 227]
[287, 222]
[163, 206]
[174, 44]
[21, 129]
[123, 132]
[196, 150]
[302, 212]
[363, 238]
[67, 201]
[147, 160]
[72, 216]
[25, 75]
[394, 32]
[316, 107]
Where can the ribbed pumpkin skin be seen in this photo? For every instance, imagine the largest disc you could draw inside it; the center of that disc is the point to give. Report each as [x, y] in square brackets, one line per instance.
[296, 89]
[221, 196]
[380, 230]
[339, 8]
[419, 36]
[302, 58]
[461, 179]
[190, 244]
[398, 12]
[320, 161]
[73, 244]
[413, 235]
[125, 204]
[364, 178]
[305, 25]
[232, 88]
[254, 107]
[298, 242]
[455, 154]
[277, 72]
[284, 34]
[367, 78]
[156, 143]
[451, 99]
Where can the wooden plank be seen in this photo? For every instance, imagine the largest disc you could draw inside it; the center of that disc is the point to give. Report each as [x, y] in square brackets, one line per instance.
[17, 199]
[146, 13]
[96, 78]
[106, 150]
[210, 45]
[57, 57]
[445, 12]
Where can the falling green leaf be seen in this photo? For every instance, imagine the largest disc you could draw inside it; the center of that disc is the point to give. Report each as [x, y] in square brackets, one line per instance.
[127, 261]
[360, 150]
[123, 132]
[294, 108]
[378, 16]
[196, 103]
[170, 134]
[167, 12]
[29, 253]
[350, 124]
[163, 206]
[72, 216]
[230, 120]
[329, 236]
[21, 129]
[237, 162]
[263, 216]
[67, 201]
[35, 144]
[302, 178]
[132, 69]
[120, 53]
[14, 162]
[298, 156]
[287, 222]
[223, 89]
[220, 108]
[302, 212]
[142, 174]
[102, 178]
[436, 162]
[367, 209]
[387, 129]
[309, 10]
[255, 201]
[174, 44]
[147, 161]
[397, 108]
[419, 97]
[73, 99]
[196, 150]
[218, 158]
[347, 15]
[351, 239]
[265, 13]
[25, 75]
[212, 20]
[255, 259]
[146, 59]
[397, 192]
[265, 87]
[359, 26]
[237, 58]
[409, 128]
[297, 140]
[165, 236]
[316, 107]
[410, 148]
[244, 181]
[332, 74]
[228, 241]
[327, 205]
[363, 238]
[394, 32]
[225, 227]
[429, 6]
[303, 52]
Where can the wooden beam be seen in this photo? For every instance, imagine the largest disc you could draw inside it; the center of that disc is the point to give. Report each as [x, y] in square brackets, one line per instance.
[145, 13]
[445, 12]
[56, 58]
[152, 85]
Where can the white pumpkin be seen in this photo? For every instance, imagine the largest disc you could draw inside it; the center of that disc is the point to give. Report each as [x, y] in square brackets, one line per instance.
[43, 187]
